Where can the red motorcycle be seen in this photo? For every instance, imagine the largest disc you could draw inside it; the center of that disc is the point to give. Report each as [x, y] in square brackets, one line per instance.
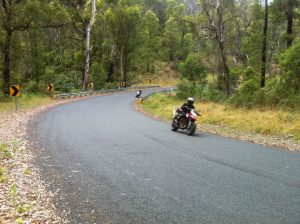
[187, 122]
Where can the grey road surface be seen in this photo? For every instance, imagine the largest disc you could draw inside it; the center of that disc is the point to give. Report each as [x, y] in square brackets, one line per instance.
[111, 164]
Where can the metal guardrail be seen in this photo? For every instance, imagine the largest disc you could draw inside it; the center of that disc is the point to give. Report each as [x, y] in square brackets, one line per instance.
[169, 90]
[103, 91]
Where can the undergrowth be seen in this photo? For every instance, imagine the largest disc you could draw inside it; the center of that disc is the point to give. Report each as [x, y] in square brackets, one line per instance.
[263, 121]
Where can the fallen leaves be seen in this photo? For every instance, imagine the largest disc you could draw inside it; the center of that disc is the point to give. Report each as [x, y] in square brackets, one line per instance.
[24, 197]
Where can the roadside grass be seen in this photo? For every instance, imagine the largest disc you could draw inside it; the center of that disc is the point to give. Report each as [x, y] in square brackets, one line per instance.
[25, 102]
[266, 121]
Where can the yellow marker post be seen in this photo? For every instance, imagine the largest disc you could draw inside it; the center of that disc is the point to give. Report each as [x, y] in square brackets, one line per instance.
[14, 90]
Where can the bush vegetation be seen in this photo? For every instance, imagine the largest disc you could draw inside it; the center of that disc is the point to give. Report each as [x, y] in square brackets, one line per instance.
[280, 91]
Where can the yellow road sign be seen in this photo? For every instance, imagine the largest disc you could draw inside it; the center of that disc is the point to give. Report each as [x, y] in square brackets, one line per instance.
[14, 90]
[50, 87]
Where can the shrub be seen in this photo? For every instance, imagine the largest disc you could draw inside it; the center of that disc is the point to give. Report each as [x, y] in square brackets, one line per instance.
[193, 69]
[290, 63]
[32, 87]
[211, 92]
[248, 95]
[99, 75]
[185, 89]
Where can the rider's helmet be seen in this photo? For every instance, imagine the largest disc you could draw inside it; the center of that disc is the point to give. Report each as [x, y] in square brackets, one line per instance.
[190, 101]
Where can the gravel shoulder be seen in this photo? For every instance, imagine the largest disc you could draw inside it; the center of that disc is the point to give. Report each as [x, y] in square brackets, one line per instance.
[24, 196]
[277, 142]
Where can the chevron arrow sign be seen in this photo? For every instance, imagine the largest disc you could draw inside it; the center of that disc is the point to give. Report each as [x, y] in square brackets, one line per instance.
[50, 88]
[14, 90]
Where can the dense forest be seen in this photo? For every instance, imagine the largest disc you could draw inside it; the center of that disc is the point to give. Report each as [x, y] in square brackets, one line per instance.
[246, 52]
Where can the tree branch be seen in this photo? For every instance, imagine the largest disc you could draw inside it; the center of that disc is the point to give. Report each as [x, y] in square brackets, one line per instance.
[59, 25]
[21, 27]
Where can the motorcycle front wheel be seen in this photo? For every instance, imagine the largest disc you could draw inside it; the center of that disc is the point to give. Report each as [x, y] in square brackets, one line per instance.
[190, 131]
[174, 125]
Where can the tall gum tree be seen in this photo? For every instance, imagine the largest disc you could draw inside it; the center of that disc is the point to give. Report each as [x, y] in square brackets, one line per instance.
[287, 9]
[123, 19]
[216, 14]
[264, 46]
[87, 31]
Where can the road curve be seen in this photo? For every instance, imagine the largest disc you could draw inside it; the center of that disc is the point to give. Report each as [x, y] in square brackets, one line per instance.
[112, 164]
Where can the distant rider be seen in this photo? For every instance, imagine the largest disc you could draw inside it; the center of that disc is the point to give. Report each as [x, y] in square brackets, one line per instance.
[138, 93]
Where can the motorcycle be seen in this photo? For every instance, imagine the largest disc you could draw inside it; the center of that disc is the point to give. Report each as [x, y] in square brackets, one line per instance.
[138, 93]
[187, 122]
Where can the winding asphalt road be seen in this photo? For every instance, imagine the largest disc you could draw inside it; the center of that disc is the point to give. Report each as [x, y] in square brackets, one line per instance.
[112, 164]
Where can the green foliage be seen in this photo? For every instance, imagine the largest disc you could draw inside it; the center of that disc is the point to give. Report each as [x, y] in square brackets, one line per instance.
[185, 89]
[212, 92]
[206, 92]
[5, 152]
[3, 177]
[27, 171]
[290, 63]
[130, 36]
[99, 75]
[193, 68]
[172, 39]
[149, 44]
[13, 192]
[248, 95]
[188, 45]
[19, 221]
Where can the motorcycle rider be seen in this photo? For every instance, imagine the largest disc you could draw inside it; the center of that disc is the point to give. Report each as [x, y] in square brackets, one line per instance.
[138, 93]
[185, 108]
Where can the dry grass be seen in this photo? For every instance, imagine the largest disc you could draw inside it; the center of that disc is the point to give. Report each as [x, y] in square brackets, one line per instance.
[266, 122]
[25, 102]
[164, 75]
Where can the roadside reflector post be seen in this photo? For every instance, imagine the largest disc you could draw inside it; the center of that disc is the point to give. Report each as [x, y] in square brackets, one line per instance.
[17, 102]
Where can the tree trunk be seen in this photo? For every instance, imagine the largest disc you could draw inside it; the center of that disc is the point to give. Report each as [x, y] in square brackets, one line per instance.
[122, 64]
[264, 47]
[88, 28]
[290, 17]
[112, 63]
[6, 61]
[219, 36]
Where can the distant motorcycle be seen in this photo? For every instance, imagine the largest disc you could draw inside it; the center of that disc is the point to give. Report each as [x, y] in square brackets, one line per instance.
[138, 93]
[187, 122]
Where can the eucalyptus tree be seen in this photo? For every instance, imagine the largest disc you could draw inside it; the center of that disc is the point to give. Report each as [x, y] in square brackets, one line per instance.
[15, 16]
[215, 15]
[24, 15]
[287, 9]
[87, 31]
[123, 19]
[83, 16]
[150, 39]
[264, 46]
